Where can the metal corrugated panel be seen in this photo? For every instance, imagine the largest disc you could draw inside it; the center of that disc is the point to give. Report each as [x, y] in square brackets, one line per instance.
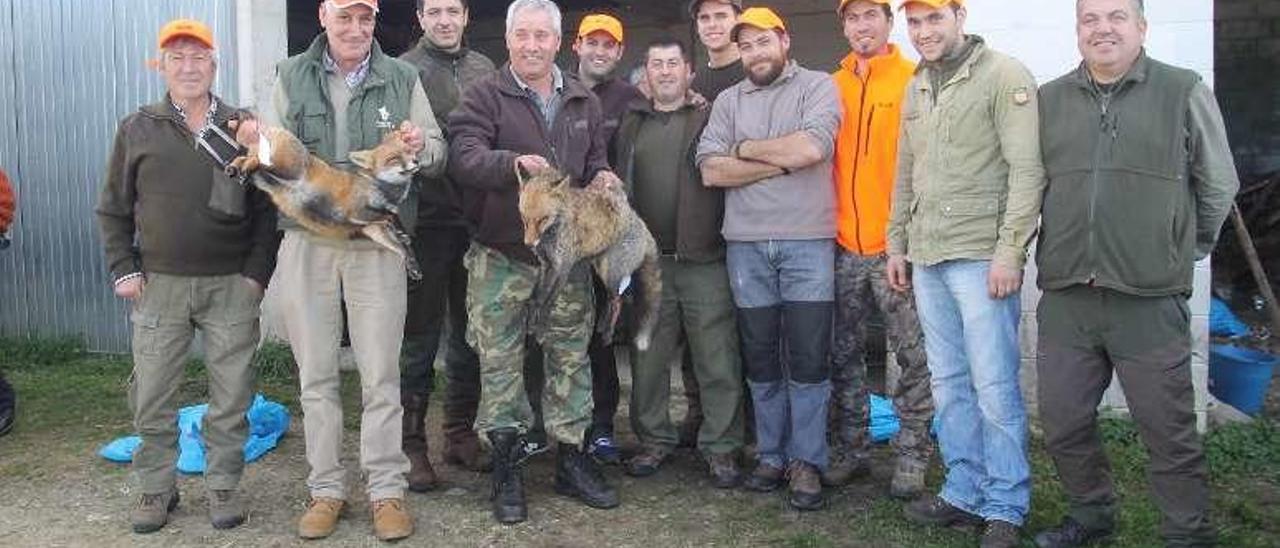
[69, 70]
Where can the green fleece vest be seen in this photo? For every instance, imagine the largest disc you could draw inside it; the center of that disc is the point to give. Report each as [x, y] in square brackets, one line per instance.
[377, 106]
[1119, 210]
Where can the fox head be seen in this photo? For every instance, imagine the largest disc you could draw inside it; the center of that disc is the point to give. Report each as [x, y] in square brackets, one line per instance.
[541, 202]
[390, 161]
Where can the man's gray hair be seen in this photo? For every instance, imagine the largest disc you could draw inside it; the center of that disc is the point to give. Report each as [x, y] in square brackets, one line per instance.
[544, 5]
[1139, 7]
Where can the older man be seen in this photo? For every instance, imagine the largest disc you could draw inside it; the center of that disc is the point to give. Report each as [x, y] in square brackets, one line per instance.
[528, 116]
[964, 210]
[340, 95]
[1140, 180]
[206, 249]
[872, 80]
[769, 143]
[446, 67]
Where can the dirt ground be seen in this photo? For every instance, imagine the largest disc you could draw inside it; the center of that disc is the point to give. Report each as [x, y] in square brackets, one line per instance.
[68, 496]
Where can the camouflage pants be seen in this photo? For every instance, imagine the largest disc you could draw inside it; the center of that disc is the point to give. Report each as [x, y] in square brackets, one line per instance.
[861, 285]
[498, 291]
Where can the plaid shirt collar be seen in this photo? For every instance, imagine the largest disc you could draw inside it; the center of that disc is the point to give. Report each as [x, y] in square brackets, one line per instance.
[353, 78]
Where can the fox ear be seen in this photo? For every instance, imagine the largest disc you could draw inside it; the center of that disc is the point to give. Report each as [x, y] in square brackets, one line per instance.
[522, 175]
[362, 158]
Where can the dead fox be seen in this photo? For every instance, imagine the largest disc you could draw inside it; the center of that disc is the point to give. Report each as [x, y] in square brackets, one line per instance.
[331, 202]
[564, 225]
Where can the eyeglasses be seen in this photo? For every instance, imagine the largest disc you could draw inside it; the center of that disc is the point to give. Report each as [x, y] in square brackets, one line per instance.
[184, 58]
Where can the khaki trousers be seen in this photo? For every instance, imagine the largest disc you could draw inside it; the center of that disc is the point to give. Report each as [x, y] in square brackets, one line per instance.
[165, 319]
[315, 276]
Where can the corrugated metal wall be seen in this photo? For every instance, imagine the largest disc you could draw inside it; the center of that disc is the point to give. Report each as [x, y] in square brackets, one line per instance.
[69, 70]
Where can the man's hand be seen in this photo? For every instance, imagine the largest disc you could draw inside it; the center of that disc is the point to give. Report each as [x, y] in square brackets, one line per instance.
[1003, 281]
[605, 181]
[131, 288]
[246, 131]
[696, 100]
[898, 270]
[412, 137]
[530, 164]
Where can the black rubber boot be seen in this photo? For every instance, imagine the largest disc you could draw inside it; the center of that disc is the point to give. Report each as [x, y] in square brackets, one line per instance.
[578, 476]
[508, 476]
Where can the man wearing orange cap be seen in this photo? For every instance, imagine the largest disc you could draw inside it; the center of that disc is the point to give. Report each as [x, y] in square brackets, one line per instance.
[965, 207]
[340, 95]
[599, 47]
[769, 143]
[872, 79]
[191, 249]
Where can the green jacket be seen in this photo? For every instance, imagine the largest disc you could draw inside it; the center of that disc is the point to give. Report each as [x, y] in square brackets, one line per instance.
[699, 209]
[1139, 181]
[390, 94]
[969, 175]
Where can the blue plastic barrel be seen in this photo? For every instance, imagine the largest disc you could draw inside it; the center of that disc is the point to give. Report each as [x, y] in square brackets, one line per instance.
[1240, 376]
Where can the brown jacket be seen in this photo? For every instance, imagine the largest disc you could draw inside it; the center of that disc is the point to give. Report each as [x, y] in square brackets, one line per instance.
[496, 123]
[189, 218]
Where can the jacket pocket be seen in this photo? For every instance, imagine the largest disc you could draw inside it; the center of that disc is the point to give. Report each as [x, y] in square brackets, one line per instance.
[312, 123]
[968, 223]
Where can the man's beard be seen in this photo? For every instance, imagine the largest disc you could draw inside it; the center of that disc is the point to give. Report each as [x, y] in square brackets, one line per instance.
[775, 70]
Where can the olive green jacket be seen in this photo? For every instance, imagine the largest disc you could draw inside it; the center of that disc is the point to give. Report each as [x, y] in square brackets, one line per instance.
[969, 177]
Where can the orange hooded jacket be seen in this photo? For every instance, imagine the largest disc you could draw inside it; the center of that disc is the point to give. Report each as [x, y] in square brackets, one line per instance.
[867, 148]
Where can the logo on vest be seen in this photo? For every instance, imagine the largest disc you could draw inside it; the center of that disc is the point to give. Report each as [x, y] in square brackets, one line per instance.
[385, 121]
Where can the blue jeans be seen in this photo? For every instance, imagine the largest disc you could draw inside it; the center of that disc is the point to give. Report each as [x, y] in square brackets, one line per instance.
[784, 291]
[971, 341]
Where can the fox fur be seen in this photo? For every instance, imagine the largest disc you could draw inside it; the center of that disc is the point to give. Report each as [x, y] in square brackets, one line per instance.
[564, 225]
[331, 202]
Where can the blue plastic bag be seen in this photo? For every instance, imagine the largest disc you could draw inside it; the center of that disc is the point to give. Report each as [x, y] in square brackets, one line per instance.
[1224, 323]
[268, 421]
[884, 420]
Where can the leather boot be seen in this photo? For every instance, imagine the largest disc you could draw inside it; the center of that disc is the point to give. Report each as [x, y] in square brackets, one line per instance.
[422, 477]
[462, 448]
[508, 476]
[578, 476]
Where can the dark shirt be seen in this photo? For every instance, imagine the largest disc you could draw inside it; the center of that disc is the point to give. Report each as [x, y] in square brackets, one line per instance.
[709, 82]
[657, 173]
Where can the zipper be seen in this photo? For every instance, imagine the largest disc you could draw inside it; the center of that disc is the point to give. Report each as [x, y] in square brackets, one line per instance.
[866, 148]
[853, 182]
[1103, 105]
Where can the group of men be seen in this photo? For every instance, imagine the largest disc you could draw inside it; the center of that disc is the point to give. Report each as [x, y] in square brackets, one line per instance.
[787, 204]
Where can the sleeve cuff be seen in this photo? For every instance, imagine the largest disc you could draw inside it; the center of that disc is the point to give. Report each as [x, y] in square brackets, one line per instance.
[127, 277]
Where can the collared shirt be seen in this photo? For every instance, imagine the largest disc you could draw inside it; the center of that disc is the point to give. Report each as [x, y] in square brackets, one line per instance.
[353, 78]
[208, 116]
[551, 106]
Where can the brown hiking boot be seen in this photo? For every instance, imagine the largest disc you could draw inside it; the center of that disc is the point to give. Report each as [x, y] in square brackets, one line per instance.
[152, 511]
[764, 478]
[321, 517]
[463, 449]
[647, 462]
[845, 469]
[908, 478]
[391, 520]
[724, 471]
[413, 433]
[804, 486]
[1001, 534]
[226, 510]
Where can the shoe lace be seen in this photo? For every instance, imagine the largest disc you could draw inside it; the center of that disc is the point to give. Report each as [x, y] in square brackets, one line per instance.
[395, 504]
[222, 495]
[151, 500]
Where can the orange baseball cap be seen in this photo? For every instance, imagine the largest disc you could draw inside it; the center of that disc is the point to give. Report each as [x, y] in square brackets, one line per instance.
[186, 28]
[600, 22]
[761, 18]
[844, 3]
[340, 4]
[932, 3]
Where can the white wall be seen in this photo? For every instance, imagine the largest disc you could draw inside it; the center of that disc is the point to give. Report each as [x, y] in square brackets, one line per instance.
[1041, 33]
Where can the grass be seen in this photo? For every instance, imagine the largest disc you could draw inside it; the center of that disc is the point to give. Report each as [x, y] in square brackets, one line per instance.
[71, 401]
